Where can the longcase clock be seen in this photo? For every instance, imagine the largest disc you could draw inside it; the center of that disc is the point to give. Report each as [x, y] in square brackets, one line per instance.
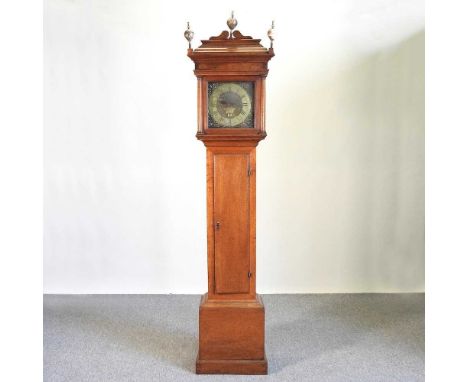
[231, 71]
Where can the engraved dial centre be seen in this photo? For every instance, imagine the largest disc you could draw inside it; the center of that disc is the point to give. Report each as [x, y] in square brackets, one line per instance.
[230, 104]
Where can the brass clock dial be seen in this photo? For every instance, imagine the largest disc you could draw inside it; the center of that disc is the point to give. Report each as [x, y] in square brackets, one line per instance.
[230, 105]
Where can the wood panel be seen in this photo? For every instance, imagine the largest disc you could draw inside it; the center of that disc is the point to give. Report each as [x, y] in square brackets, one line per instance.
[231, 222]
[232, 337]
[232, 333]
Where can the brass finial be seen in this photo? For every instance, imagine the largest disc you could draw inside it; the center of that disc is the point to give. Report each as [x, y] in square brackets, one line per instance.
[189, 35]
[271, 33]
[231, 23]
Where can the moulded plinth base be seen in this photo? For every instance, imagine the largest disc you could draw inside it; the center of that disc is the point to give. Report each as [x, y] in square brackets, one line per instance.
[233, 366]
[231, 337]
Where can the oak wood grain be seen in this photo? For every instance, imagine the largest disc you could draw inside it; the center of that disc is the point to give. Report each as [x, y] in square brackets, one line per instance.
[231, 216]
[232, 315]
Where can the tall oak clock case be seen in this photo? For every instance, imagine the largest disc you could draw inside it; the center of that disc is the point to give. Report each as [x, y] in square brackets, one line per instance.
[231, 71]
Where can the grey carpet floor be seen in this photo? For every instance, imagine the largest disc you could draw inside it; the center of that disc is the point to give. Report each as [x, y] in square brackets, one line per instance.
[326, 338]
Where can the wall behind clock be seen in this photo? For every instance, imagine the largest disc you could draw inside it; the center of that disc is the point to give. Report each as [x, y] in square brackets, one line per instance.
[340, 176]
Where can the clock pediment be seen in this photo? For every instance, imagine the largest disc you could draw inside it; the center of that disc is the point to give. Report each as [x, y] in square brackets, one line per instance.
[237, 41]
[231, 54]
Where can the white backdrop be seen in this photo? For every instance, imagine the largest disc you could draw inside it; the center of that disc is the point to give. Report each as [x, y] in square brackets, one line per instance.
[340, 177]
